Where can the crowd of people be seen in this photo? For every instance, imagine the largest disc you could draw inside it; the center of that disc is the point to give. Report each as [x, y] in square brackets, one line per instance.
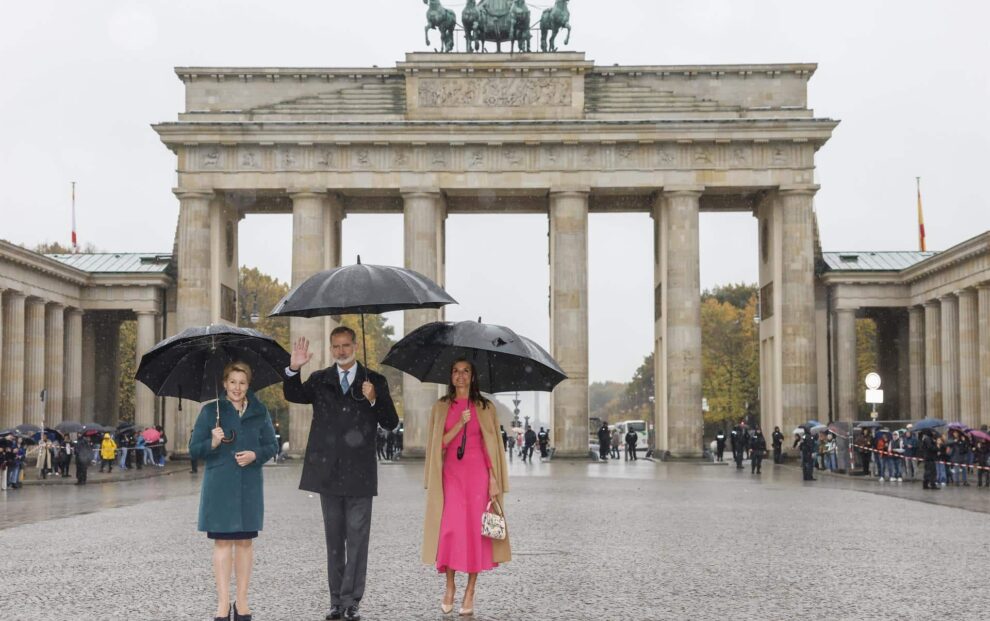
[388, 444]
[53, 454]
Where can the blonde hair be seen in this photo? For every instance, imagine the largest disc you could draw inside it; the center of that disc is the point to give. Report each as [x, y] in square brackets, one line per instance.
[237, 366]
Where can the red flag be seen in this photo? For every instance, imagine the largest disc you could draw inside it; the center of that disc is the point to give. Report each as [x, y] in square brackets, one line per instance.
[921, 219]
[75, 244]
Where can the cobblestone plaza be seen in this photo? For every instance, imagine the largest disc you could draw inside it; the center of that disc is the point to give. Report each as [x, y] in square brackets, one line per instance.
[591, 541]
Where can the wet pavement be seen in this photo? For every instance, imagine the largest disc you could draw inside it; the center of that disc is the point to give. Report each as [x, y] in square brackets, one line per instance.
[612, 540]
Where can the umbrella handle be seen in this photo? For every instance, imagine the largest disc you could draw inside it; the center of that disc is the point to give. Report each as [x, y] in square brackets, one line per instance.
[460, 449]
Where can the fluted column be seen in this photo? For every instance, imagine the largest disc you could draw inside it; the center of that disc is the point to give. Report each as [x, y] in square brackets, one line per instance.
[916, 359]
[845, 363]
[983, 311]
[933, 359]
[423, 216]
[308, 258]
[34, 360]
[969, 359]
[799, 369]
[54, 363]
[144, 398]
[950, 357]
[72, 384]
[569, 319]
[194, 260]
[683, 307]
[3, 412]
[12, 365]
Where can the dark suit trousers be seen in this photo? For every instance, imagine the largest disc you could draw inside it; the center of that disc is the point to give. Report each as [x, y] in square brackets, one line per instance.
[347, 525]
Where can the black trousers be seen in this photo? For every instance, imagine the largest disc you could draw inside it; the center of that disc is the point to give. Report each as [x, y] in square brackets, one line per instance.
[776, 454]
[866, 463]
[737, 455]
[602, 451]
[631, 452]
[929, 480]
[719, 451]
[808, 467]
[347, 526]
[756, 462]
[81, 468]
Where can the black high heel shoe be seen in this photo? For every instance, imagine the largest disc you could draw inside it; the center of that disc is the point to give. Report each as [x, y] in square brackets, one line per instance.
[227, 618]
[240, 617]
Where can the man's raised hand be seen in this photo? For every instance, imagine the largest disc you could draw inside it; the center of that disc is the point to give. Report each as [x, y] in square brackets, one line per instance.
[300, 354]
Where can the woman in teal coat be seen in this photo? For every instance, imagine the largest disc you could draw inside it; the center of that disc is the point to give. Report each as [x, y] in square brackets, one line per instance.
[234, 443]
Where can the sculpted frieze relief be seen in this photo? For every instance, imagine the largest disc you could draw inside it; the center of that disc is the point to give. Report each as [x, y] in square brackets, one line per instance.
[496, 157]
[507, 92]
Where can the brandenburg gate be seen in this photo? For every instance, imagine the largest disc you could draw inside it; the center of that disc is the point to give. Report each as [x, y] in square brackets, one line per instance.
[545, 133]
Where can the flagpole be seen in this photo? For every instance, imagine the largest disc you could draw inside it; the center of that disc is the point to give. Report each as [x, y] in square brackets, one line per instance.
[75, 245]
[921, 219]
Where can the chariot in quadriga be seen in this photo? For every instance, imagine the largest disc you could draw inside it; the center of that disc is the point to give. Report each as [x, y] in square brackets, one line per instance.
[498, 22]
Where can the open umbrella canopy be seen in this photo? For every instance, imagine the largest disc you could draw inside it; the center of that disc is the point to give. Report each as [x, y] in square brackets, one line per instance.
[976, 434]
[357, 289]
[928, 423]
[959, 426]
[151, 435]
[819, 429]
[190, 364]
[70, 426]
[50, 434]
[868, 424]
[502, 359]
[27, 429]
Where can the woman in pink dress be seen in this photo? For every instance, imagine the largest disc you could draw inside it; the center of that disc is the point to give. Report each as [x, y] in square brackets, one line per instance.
[459, 488]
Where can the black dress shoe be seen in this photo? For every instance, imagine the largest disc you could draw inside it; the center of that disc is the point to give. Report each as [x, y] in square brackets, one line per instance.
[227, 618]
[240, 617]
[335, 613]
[351, 613]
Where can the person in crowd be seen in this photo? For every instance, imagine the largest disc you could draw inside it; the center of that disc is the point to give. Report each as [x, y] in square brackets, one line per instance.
[380, 444]
[520, 442]
[615, 441]
[390, 445]
[349, 403]
[941, 457]
[149, 454]
[928, 452]
[466, 475]
[15, 465]
[234, 436]
[881, 440]
[894, 458]
[45, 458]
[736, 439]
[4, 460]
[777, 440]
[531, 439]
[959, 452]
[807, 445]
[84, 455]
[604, 441]
[910, 444]
[122, 452]
[108, 451]
[831, 452]
[980, 454]
[505, 437]
[510, 445]
[863, 442]
[632, 438]
[139, 447]
[398, 441]
[757, 451]
[720, 444]
[543, 440]
[66, 454]
[162, 453]
[821, 441]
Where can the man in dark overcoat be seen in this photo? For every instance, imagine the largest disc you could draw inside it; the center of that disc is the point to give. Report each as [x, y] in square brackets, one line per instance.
[349, 403]
[84, 455]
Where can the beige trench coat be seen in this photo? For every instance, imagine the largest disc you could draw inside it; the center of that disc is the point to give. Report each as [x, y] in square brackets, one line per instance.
[433, 479]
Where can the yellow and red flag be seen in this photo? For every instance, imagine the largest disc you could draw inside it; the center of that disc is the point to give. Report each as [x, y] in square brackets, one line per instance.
[921, 220]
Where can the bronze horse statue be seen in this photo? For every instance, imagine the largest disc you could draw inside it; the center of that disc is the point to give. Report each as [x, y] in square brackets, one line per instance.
[554, 20]
[497, 21]
[444, 20]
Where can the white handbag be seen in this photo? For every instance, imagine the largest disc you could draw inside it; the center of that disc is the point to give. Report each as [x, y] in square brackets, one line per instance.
[493, 522]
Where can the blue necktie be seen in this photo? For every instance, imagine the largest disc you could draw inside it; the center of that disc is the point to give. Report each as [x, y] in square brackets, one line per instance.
[344, 384]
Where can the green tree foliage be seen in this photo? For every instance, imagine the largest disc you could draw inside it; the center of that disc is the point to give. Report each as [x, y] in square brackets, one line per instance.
[867, 358]
[127, 366]
[737, 295]
[729, 353]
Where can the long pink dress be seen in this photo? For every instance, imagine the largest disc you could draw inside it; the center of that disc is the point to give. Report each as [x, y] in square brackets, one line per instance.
[465, 496]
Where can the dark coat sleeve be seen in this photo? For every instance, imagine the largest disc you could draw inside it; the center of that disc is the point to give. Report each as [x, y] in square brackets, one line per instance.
[268, 445]
[201, 440]
[384, 407]
[296, 391]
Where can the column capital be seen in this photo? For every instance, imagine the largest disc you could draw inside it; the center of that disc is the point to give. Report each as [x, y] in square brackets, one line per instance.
[669, 191]
[948, 297]
[14, 293]
[932, 304]
[420, 192]
[184, 194]
[72, 310]
[34, 300]
[295, 193]
[798, 190]
[55, 305]
[967, 292]
[983, 286]
[577, 191]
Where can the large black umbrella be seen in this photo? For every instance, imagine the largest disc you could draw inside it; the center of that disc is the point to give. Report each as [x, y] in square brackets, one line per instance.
[28, 429]
[190, 364]
[503, 360]
[70, 426]
[360, 289]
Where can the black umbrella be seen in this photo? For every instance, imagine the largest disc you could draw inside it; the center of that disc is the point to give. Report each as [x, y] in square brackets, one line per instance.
[190, 364]
[27, 429]
[69, 426]
[502, 359]
[359, 289]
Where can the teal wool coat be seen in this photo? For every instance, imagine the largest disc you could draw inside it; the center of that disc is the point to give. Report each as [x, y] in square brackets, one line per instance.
[232, 499]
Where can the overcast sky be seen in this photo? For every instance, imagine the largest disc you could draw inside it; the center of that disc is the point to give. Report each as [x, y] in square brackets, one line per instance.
[83, 82]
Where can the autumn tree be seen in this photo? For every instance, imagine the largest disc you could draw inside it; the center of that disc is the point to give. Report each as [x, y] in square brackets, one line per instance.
[127, 366]
[729, 354]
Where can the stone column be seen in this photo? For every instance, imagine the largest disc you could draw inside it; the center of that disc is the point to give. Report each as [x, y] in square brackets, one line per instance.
[969, 359]
[660, 440]
[916, 359]
[54, 363]
[144, 398]
[72, 384]
[983, 319]
[3, 412]
[569, 319]
[845, 363]
[933, 359]
[683, 307]
[308, 252]
[11, 366]
[799, 372]
[950, 357]
[424, 213]
[34, 360]
[194, 260]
